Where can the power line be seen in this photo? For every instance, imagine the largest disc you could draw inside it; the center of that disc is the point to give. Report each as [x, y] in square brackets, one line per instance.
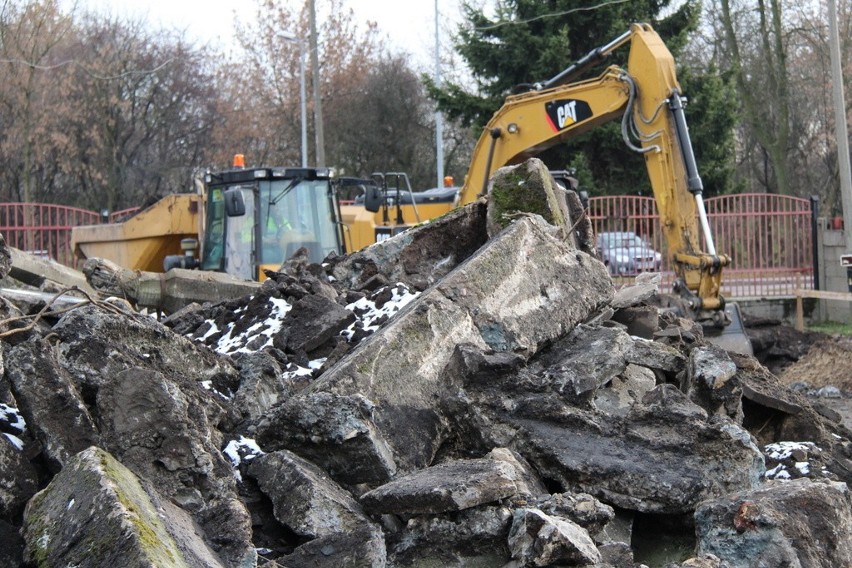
[85, 70]
[551, 15]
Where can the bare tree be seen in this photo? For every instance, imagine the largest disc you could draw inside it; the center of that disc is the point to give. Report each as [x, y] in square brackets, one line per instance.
[29, 36]
[755, 43]
[376, 113]
[143, 108]
[778, 56]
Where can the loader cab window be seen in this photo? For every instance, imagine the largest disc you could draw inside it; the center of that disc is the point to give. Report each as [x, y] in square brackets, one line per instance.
[214, 234]
[281, 215]
[229, 240]
[297, 213]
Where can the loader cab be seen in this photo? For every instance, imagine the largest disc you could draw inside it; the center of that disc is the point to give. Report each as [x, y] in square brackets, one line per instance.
[257, 218]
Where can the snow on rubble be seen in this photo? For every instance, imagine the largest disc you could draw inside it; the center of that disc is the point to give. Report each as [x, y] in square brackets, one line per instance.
[239, 336]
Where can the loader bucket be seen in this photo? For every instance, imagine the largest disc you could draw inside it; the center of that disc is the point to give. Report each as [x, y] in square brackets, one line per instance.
[732, 337]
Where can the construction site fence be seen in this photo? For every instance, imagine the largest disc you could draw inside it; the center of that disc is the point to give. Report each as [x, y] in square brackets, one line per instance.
[769, 237]
[45, 230]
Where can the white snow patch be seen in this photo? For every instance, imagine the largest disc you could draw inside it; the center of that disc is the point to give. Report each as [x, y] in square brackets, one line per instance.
[212, 330]
[300, 371]
[229, 344]
[250, 450]
[777, 472]
[70, 504]
[401, 297]
[12, 417]
[208, 385]
[803, 467]
[17, 442]
[783, 450]
[297, 372]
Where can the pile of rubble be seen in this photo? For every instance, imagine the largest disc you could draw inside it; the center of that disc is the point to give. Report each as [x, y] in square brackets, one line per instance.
[473, 392]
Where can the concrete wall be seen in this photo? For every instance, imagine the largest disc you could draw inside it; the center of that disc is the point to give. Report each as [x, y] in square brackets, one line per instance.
[832, 277]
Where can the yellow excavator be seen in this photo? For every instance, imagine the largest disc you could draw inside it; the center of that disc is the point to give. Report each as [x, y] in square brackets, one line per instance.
[647, 98]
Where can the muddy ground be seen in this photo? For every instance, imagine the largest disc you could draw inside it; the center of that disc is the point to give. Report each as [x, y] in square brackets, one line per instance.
[815, 363]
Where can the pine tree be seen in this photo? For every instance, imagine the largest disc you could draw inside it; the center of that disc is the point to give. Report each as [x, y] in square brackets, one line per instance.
[524, 42]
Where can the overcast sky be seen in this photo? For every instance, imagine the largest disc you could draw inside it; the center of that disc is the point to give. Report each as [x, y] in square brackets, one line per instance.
[408, 24]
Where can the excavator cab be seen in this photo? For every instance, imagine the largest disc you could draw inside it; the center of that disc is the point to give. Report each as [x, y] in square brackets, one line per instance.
[257, 218]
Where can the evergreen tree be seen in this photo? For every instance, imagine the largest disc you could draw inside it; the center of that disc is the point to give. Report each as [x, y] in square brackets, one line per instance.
[529, 41]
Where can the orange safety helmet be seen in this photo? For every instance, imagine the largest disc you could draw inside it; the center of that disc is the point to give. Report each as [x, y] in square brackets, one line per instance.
[448, 181]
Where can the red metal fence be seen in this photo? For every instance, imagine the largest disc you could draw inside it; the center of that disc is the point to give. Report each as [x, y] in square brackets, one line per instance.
[767, 236]
[45, 229]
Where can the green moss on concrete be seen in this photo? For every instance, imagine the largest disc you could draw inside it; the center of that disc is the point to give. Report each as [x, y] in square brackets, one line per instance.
[157, 544]
[91, 472]
[513, 192]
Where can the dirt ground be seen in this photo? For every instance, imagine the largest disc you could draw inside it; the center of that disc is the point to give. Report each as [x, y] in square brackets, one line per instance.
[813, 358]
[807, 360]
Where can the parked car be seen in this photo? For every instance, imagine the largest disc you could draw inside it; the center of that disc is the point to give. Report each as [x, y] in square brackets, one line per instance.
[627, 253]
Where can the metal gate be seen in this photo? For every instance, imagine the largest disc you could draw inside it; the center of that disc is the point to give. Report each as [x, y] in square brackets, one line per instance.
[42, 229]
[45, 230]
[767, 236]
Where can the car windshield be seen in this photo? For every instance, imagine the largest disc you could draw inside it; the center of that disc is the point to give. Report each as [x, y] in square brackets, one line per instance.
[622, 240]
[632, 241]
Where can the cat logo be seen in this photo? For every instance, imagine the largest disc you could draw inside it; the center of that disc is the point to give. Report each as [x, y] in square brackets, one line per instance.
[563, 113]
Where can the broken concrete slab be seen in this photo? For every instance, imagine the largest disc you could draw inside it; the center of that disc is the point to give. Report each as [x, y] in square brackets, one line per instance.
[86, 350]
[167, 292]
[305, 500]
[44, 274]
[579, 508]
[95, 512]
[18, 477]
[625, 390]
[161, 432]
[526, 480]
[636, 462]
[448, 486]
[494, 300]
[537, 539]
[645, 286]
[337, 432]
[419, 257]
[585, 362]
[710, 382]
[783, 523]
[477, 536]
[50, 402]
[657, 356]
[362, 547]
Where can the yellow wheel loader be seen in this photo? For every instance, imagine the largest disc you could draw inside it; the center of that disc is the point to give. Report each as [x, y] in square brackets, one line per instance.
[241, 221]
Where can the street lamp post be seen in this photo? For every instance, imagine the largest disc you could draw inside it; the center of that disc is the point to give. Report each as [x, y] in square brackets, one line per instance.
[293, 38]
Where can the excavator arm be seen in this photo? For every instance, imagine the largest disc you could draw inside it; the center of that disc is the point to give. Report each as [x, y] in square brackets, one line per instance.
[646, 96]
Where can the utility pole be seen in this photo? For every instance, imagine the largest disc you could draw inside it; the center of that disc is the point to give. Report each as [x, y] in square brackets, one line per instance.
[840, 124]
[439, 122]
[302, 106]
[318, 128]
